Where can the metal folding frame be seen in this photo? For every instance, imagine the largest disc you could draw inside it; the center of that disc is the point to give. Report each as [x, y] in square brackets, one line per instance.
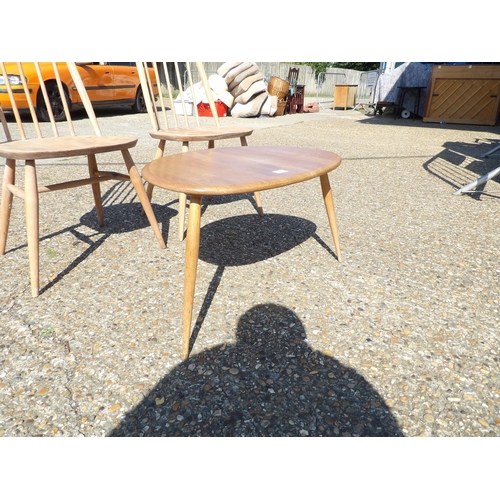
[320, 84]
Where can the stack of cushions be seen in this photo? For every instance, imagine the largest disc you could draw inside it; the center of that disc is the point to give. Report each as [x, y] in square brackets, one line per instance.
[249, 90]
[217, 86]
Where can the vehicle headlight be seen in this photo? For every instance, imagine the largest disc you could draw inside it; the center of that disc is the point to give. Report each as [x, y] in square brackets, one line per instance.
[13, 80]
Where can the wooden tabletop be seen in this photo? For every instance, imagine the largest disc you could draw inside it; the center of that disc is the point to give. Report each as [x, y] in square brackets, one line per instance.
[237, 170]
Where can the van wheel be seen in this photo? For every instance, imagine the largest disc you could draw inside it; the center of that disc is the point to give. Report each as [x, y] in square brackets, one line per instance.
[55, 102]
[139, 105]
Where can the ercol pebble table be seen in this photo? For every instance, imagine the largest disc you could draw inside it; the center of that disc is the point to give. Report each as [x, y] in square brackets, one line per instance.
[230, 171]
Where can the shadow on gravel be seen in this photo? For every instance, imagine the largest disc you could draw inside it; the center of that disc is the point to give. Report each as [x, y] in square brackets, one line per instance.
[460, 163]
[247, 239]
[120, 216]
[269, 383]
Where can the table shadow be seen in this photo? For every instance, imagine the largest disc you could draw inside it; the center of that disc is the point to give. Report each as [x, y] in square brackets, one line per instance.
[270, 382]
[246, 239]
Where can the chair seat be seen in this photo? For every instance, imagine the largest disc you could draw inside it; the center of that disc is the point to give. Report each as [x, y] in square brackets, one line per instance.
[59, 147]
[200, 133]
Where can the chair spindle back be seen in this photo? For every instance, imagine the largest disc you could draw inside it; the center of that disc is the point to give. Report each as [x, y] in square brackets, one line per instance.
[35, 101]
[163, 112]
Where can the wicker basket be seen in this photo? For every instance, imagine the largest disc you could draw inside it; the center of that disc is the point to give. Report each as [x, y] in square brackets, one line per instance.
[279, 88]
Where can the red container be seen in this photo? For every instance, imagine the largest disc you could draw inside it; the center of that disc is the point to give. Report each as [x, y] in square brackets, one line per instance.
[204, 109]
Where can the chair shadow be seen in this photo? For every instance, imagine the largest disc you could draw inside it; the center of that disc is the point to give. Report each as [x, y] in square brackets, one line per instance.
[119, 217]
[460, 163]
[270, 382]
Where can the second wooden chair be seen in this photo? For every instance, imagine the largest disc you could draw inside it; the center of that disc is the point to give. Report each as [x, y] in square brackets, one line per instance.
[179, 121]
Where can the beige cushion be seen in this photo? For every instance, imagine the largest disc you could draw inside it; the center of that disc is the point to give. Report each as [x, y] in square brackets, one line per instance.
[226, 67]
[256, 88]
[245, 84]
[233, 73]
[251, 70]
[251, 108]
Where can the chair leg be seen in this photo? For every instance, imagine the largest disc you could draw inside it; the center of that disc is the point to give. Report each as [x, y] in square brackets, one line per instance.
[160, 150]
[143, 197]
[191, 265]
[330, 210]
[159, 153]
[9, 177]
[32, 227]
[96, 189]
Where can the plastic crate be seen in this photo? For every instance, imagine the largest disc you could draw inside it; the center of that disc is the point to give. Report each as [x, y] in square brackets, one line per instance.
[204, 109]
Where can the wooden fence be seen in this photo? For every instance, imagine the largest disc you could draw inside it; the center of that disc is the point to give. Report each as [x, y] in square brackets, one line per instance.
[307, 76]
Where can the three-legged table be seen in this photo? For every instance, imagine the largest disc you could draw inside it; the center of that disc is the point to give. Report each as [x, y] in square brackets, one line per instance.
[235, 170]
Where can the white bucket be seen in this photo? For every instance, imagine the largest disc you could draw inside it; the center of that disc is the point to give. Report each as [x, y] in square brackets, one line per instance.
[178, 108]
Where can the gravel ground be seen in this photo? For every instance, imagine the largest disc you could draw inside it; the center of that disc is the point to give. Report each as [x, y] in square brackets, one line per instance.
[400, 339]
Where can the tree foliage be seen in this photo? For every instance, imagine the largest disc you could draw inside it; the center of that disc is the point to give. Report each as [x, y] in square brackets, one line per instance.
[320, 67]
[359, 66]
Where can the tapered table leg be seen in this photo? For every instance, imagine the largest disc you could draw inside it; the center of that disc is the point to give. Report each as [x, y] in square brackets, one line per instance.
[330, 210]
[259, 203]
[143, 197]
[182, 214]
[192, 252]
[256, 195]
[9, 177]
[32, 224]
[182, 200]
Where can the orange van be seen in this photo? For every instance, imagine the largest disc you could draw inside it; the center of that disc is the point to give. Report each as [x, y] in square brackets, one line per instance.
[108, 85]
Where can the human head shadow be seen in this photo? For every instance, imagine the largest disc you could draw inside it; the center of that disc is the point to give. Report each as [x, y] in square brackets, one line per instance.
[270, 382]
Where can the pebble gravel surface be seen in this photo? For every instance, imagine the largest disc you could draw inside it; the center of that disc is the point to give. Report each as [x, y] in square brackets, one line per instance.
[400, 339]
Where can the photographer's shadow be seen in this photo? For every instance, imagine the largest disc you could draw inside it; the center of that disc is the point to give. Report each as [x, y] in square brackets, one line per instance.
[269, 383]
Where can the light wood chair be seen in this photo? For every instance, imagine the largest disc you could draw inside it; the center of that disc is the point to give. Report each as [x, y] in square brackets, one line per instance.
[20, 144]
[180, 121]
